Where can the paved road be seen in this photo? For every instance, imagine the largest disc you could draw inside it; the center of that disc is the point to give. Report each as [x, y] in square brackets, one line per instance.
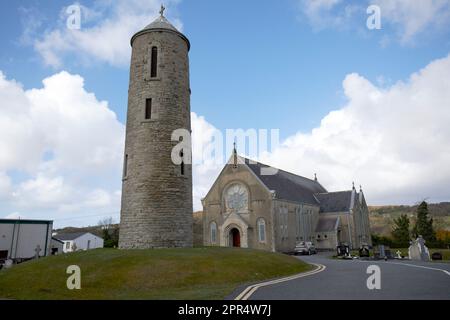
[346, 279]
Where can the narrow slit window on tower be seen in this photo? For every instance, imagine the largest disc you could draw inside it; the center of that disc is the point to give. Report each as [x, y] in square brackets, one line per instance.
[182, 163]
[125, 166]
[148, 109]
[154, 63]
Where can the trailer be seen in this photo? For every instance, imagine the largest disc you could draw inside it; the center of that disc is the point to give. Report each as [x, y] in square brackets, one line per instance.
[22, 240]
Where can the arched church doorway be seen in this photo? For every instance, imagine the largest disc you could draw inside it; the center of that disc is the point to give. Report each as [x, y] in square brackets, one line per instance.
[235, 237]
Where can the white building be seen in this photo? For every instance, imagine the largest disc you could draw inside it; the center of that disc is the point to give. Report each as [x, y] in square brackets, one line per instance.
[57, 246]
[79, 241]
[25, 239]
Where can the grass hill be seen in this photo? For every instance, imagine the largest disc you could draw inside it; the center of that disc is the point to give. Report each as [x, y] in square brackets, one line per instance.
[194, 273]
[382, 217]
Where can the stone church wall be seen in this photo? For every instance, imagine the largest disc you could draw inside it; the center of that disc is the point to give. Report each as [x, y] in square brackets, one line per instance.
[259, 206]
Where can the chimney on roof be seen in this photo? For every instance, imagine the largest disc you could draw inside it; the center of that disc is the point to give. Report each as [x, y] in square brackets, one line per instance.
[315, 177]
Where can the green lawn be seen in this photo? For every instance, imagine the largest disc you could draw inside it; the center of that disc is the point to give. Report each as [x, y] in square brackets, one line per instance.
[197, 273]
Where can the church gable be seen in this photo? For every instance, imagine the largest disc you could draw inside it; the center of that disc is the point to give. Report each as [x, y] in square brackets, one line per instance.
[239, 174]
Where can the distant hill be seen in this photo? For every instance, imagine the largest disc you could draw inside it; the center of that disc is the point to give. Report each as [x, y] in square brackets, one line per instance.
[97, 230]
[382, 217]
[381, 220]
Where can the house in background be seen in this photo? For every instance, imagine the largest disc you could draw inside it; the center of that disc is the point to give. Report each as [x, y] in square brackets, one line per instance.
[23, 239]
[57, 246]
[79, 241]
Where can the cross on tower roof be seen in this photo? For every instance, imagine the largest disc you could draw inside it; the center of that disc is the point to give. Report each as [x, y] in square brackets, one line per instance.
[161, 12]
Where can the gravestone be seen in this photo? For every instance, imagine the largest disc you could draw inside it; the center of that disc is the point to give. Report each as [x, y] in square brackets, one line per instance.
[436, 256]
[418, 251]
[8, 264]
[381, 251]
[37, 250]
[364, 252]
[343, 250]
[388, 253]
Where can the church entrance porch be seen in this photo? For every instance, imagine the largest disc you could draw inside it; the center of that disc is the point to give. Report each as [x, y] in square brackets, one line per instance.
[235, 238]
[233, 232]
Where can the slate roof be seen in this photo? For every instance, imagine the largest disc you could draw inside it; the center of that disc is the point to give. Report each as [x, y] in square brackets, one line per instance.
[287, 186]
[335, 201]
[69, 236]
[161, 23]
[57, 240]
[327, 224]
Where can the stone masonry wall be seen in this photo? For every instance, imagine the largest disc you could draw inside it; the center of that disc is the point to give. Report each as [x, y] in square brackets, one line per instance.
[156, 199]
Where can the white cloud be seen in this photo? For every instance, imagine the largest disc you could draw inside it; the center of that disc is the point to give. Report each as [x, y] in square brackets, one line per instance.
[15, 215]
[414, 17]
[104, 31]
[395, 140]
[328, 13]
[5, 186]
[205, 166]
[407, 18]
[66, 145]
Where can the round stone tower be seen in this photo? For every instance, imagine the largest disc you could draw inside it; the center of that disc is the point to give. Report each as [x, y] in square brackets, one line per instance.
[156, 207]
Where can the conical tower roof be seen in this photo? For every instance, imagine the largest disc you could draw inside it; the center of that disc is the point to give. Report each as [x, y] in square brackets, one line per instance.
[161, 24]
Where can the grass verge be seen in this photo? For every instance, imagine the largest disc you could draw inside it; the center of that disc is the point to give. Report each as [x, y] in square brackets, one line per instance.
[194, 273]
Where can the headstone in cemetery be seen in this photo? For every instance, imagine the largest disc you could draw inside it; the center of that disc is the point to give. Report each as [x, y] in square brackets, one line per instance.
[37, 250]
[387, 253]
[364, 252]
[418, 251]
[343, 250]
[8, 264]
[436, 256]
[381, 252]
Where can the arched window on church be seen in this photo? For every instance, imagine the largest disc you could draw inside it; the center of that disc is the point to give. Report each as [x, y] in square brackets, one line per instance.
[154, 63]
[213, 232]
[261, 230]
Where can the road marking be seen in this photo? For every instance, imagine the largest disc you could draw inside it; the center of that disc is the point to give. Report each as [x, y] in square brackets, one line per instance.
[244, 295]
[412, 265]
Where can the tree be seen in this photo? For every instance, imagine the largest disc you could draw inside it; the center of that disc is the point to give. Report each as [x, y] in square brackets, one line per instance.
[378, 239]
[400, 232]
[110, 232]
[424, 226]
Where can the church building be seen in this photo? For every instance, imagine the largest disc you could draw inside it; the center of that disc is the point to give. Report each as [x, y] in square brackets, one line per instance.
[252, 205]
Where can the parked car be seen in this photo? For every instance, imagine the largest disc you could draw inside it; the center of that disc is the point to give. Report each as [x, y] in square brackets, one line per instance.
[305, 247]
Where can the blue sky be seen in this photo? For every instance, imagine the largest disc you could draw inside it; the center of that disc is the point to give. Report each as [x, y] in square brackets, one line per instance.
[247, 59]
[254, 64]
